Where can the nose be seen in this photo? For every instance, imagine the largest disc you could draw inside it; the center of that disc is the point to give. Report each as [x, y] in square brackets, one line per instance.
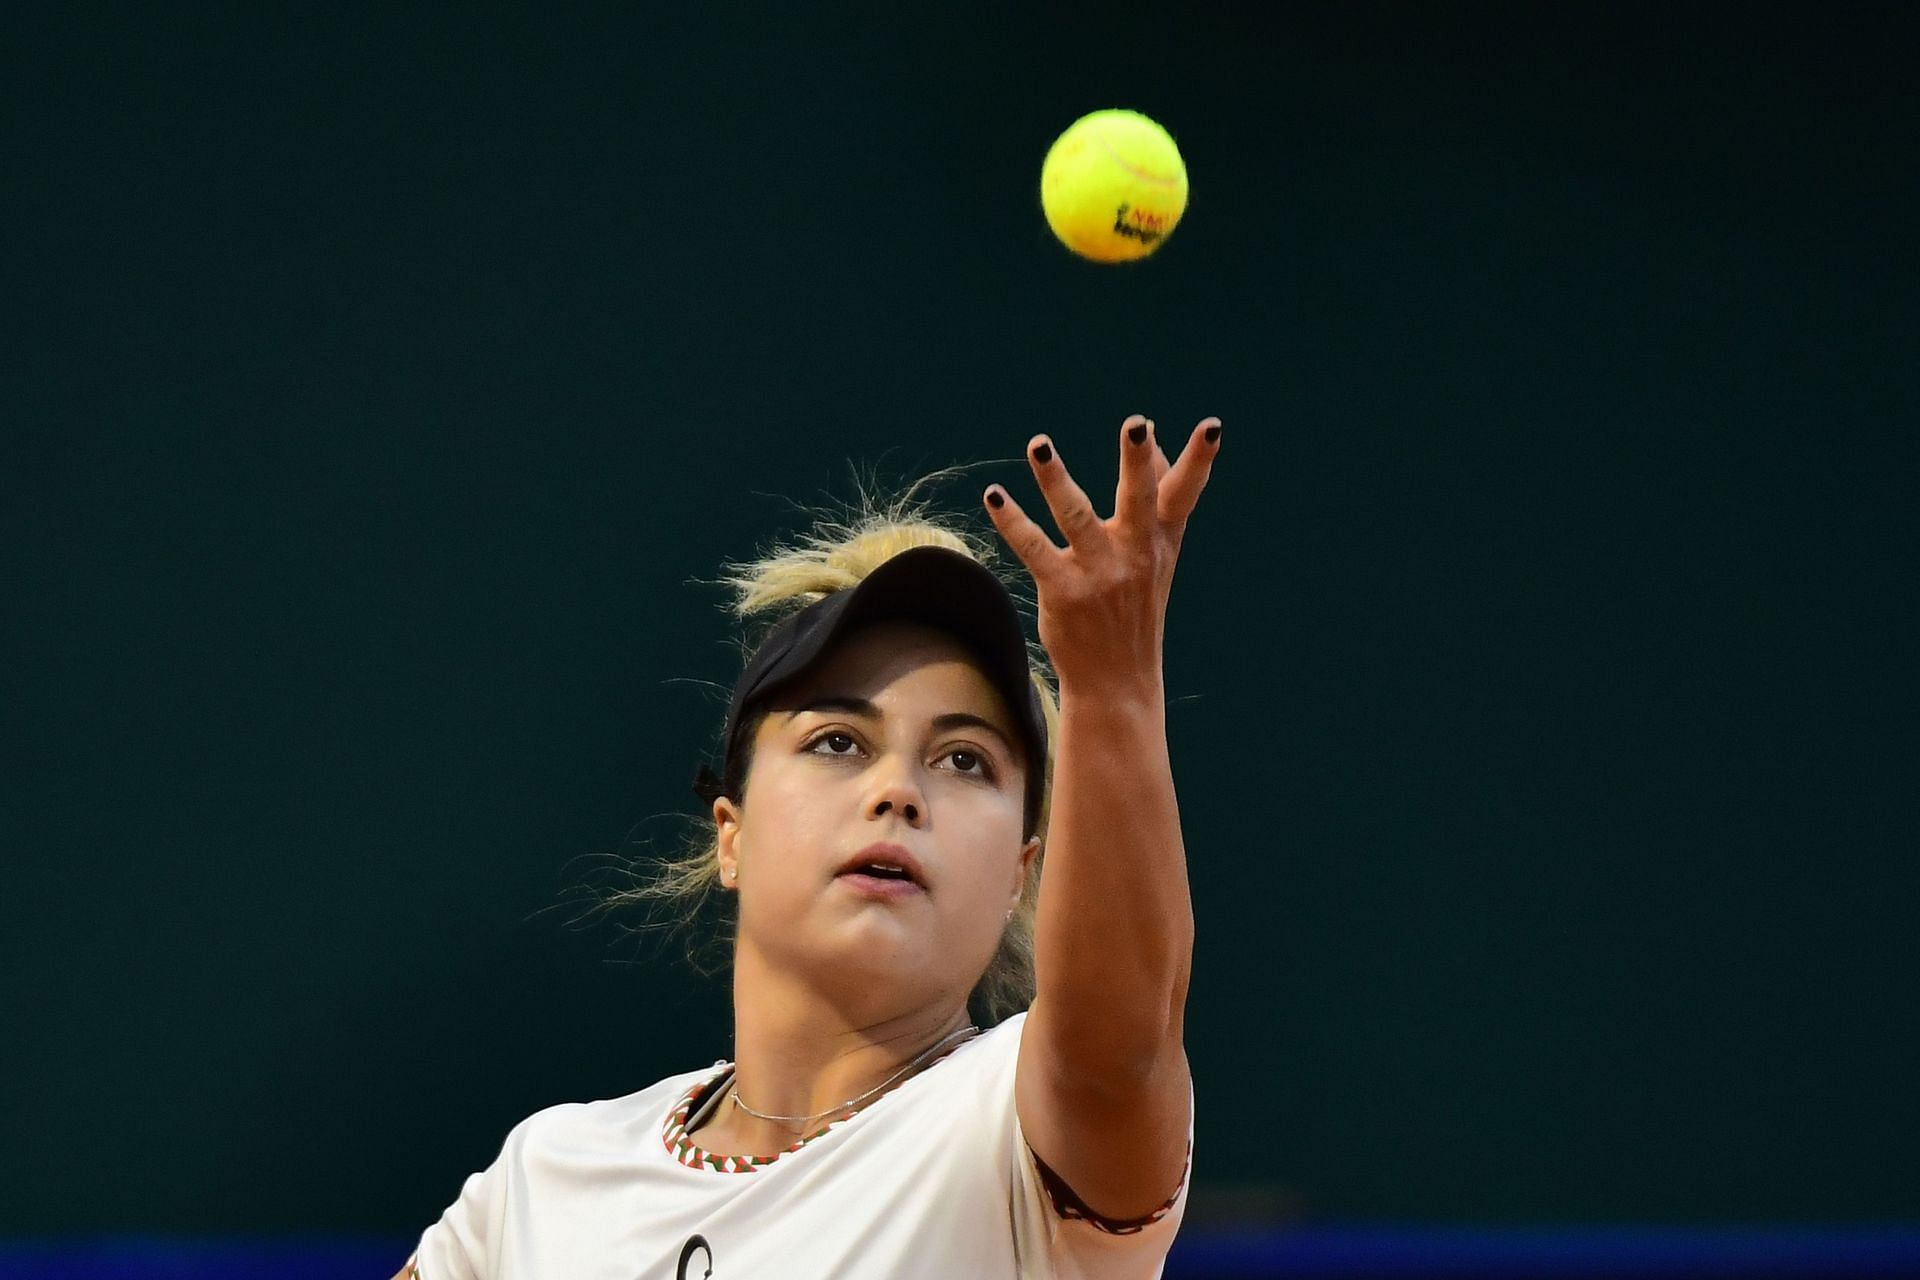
[896, 791]
[908, 811]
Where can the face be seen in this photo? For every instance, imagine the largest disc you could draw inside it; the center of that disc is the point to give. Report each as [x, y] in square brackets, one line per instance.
[895, 739]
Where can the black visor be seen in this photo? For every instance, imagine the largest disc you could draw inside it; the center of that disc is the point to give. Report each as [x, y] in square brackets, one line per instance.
[932, 586]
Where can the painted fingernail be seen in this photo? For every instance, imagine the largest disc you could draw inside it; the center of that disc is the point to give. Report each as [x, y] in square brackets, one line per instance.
[1213, 434]
[1043, 452]
[1137, 434]
[995, 500]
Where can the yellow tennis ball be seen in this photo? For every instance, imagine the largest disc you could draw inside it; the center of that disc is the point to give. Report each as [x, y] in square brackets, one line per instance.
[1113, 186]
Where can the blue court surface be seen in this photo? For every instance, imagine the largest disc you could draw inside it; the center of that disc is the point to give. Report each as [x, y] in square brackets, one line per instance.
[1322, 1253]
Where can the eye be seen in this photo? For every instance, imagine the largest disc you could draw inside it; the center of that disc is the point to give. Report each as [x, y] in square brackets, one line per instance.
[971, 763]
[836, 742]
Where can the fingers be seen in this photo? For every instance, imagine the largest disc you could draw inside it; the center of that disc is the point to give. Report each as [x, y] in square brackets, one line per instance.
[1072, 510]
[1026, 539]
[1152, 492]
[1181, 488]
[1133, 501]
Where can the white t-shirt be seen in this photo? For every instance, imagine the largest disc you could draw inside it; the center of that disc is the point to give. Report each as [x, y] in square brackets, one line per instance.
[932, 1179]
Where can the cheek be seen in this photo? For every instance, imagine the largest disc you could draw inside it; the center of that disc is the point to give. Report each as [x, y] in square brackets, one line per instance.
[992, 858]
[790, 822]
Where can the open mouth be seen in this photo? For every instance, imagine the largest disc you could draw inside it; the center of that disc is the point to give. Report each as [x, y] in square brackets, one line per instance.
[880, 871]
[880, 880]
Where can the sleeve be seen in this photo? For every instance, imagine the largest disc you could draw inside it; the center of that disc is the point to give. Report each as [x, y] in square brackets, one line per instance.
[464, 1242]
[1051, 1221]
[1068, 1205]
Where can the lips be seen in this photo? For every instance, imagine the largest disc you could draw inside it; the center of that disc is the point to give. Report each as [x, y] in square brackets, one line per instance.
[884, 864]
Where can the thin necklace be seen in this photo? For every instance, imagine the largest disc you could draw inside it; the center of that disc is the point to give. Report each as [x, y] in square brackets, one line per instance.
[803, 1121]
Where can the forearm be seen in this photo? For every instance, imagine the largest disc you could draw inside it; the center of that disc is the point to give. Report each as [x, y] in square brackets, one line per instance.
[1114, 938]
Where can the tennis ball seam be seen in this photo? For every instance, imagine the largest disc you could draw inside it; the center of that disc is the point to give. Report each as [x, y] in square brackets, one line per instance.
[1134, 169]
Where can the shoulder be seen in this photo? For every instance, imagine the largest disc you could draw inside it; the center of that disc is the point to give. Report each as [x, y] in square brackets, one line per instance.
[1002, 1037]
[986, 1056]
[974, 1084]
[581, 1128]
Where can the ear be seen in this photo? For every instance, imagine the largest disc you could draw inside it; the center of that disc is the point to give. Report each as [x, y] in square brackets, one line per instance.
[726, 825]
[1028, 852]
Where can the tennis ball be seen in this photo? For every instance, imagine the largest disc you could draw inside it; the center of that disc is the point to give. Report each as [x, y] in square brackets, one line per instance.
[1113, 186]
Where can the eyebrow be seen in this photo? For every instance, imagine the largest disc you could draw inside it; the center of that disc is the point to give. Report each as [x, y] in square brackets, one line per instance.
[863, 707]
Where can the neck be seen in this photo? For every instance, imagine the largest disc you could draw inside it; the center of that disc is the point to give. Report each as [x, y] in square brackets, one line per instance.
[799, 1052]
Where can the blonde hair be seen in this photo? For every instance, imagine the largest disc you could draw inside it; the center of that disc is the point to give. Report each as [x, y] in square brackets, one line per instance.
[836, 554]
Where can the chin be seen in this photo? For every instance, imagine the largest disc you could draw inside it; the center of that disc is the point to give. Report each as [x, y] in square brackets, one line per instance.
[867, 963]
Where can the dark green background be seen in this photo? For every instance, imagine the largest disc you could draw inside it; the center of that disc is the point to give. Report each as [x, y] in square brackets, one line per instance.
[379, 381]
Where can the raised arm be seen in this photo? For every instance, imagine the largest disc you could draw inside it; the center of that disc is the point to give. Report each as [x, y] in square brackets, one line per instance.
[1103, 1086]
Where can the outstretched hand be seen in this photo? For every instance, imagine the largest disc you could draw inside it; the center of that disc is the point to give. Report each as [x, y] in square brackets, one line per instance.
[1103, 596]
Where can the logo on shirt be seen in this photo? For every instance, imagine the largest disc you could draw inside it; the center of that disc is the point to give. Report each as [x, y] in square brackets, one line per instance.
[694, 1244]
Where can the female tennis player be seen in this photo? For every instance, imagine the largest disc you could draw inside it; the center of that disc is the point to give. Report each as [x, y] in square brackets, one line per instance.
[895, 773]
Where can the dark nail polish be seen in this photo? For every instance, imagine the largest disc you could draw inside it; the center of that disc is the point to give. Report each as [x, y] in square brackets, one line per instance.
[1043, 452]
[1213, 435]
[994, 499]
[1137, 434]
